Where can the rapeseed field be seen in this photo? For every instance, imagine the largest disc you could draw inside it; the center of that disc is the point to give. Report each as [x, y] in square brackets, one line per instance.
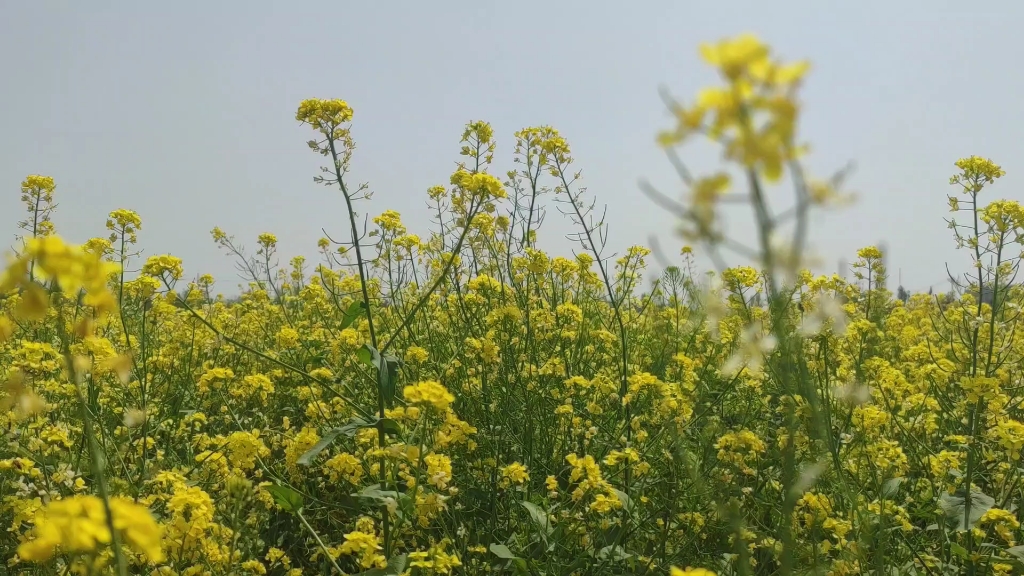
[462, 402]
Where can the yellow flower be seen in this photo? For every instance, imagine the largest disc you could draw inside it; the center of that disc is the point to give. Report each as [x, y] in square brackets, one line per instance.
[323, 113]
[74, 269]
[705, 195]
[267, 240]
[366, 546]
[158, 266]
[1002, 521]
[480, 184]
[605, 503]
[975, 173]
[869, 252]
[390, 221]
[124, 224]
[514, 473]
[429, 393]
[754, 115]
[740, 277]
[6, 328]
[79, 525]
[287, 338]
[439, 470]
[734, 56]
[416, 355]
[345, 466]
[435, 560]
[615, 457]
[36, 184]
[551, 483]
[740, 448]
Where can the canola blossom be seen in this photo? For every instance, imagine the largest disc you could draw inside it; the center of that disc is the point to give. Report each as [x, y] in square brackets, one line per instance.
[458, 401]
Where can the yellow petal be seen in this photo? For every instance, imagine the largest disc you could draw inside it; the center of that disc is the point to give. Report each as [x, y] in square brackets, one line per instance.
[33, 304]
[791, 73]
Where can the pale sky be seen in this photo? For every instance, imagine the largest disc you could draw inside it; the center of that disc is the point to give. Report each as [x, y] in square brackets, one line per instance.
[184, 111]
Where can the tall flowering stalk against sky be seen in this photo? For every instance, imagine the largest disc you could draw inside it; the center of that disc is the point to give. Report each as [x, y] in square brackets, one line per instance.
[37, 195]
[592, 237]
[331, 119]
[472, 189]
[986, 323]
[754, 118]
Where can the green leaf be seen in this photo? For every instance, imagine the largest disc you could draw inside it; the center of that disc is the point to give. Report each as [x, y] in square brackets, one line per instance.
[891, 487]
[954, 506]
[627, 502]
[613, 553]
[395, 567]
[289, 500]
[368, 355]
[385, 384]
[373, 495]
[364, 356]
[1017, 553]
[386, 366]
[374, 492]
[387, 376]
[352, 313]
[521, 567]
[347, 430]
[540, 518]
[390, 426]
[502, 551]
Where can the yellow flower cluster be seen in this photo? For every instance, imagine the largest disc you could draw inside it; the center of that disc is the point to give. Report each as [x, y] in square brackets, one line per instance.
[479, 184]
[429, 393]
[79, 525]
[324, 114]
[71, 267]
[163, 264]
[754, 115]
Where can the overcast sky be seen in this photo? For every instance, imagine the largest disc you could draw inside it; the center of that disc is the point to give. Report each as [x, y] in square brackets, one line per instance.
[184, 111]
